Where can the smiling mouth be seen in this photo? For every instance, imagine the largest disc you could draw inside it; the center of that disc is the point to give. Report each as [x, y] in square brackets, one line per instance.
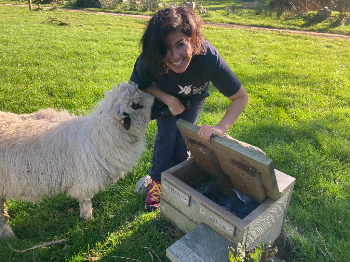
[178, 63]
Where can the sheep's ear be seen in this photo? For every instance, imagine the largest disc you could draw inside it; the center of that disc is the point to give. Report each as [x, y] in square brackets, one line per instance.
[117, 111]
[122, 89]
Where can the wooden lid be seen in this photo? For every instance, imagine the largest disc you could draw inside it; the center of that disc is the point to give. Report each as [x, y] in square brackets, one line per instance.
[251, 172]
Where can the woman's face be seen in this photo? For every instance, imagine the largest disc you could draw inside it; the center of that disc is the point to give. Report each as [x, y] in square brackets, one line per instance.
[179, 54]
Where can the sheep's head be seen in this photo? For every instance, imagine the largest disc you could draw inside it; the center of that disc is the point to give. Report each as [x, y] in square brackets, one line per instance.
[132, 107]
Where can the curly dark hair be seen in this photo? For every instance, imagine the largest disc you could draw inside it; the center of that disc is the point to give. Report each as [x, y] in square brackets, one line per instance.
[154, 41]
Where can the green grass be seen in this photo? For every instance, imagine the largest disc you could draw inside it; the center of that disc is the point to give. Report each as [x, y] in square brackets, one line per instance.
[298, 113]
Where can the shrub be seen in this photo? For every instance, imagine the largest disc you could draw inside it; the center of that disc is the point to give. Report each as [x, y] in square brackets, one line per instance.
[88, 3]
[104, 4]
[108, 4]
[259, 254]
[342, 6]
[151, 5]
[230, 9]
[305, 5]
[142, 5]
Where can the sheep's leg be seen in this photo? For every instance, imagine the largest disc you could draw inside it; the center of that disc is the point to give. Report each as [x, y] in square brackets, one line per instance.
[85, 209]
[5, 229]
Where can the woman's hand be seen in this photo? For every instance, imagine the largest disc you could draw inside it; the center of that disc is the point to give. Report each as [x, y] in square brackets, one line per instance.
[233, 111]
[175, 106]
[207, 132]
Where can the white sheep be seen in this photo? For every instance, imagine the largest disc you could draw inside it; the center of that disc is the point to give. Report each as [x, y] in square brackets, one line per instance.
[49, 152]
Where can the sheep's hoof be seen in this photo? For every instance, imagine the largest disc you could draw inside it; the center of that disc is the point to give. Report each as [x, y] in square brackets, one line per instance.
[85, 215]
[6, 232]
[85, 209]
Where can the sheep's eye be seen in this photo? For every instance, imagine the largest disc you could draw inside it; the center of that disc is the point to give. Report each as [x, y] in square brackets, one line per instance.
[136, 106]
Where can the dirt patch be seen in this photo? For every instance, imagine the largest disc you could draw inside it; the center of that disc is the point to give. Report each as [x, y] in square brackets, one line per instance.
[314, 34]
[223, 25]
[279, 243]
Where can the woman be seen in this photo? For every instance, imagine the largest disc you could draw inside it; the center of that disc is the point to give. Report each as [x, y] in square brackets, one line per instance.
[177, 62]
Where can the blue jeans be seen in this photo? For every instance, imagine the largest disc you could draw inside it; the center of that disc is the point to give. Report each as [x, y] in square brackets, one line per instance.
[169, 147]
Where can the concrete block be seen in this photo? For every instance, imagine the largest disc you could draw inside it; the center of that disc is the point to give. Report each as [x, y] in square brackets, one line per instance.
[201, 244]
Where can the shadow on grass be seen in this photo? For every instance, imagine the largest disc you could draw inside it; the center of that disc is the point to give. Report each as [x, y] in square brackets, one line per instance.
[311, 19]
[120, 227]
[317, 155]
[316, 152]
[314, 19]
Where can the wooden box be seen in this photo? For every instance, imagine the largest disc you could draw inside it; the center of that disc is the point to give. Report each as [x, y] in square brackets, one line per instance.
[232, 166]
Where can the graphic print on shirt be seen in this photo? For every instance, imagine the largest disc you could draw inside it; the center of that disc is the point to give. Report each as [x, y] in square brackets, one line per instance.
[198, 90]
[186, 90]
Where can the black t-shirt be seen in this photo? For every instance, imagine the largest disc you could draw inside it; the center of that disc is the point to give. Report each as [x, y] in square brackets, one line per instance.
[195, 81]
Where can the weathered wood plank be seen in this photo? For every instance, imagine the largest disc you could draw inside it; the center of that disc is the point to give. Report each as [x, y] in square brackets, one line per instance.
[182, 222]
[188, 172]
[285, 184]
[284, 181]
[176, 192]
[201, 209]
[226, 151]
[246, 180]
[215, 218]
[205, 158]
[268, 226]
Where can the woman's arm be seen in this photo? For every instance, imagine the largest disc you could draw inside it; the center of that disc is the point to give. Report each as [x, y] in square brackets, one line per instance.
[174, 104]
[233, 111]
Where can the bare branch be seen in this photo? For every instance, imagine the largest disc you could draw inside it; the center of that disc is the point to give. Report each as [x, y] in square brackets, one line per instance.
[325, 245]
[153, 253]
[127, 258]
[41, 245]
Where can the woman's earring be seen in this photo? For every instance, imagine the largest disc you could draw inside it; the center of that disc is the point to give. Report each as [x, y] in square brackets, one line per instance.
[166, 68]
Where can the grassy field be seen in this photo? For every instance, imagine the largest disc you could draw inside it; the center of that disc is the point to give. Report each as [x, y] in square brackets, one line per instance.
[216, 11]
[298, 113]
